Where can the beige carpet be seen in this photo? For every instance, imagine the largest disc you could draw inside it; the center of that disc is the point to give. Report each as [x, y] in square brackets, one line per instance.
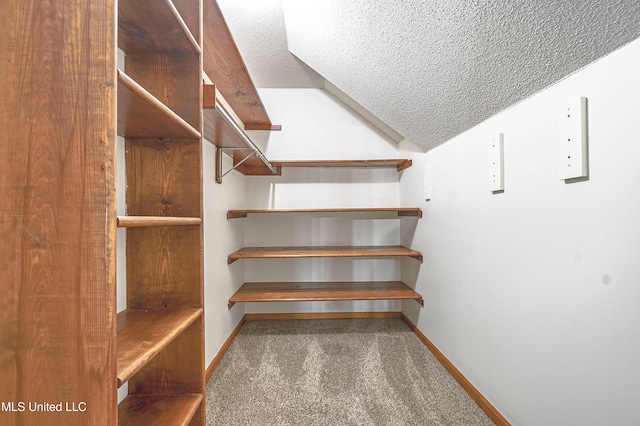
[335, 372]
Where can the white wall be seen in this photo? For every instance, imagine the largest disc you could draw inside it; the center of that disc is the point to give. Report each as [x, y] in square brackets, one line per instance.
[534, 293]
[221, 237]
[315, 126]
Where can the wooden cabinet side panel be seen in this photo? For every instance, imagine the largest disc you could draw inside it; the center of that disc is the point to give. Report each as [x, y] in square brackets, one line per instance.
[57, 214]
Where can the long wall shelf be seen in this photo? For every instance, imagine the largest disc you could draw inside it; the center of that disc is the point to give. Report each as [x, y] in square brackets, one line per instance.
[330, 251]
[400, 211]
[323, 291]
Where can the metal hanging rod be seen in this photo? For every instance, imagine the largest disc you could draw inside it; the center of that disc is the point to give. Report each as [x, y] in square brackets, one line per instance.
[246, 140]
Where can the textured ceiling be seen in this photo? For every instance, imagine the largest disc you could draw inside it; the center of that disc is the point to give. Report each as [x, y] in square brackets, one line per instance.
[428, 69]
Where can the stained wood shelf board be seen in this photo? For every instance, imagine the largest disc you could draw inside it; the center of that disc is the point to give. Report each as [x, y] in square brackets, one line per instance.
[158, 409]
[323, 291]
[332, 251]
[225, 67]
[146, 221]
[142, 334]
[141, 115]
[401, 211]
[153, 26]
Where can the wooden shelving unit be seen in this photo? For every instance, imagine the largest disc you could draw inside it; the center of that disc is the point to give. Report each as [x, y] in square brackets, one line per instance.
[323, 291]
[399, 211]
[160, 337]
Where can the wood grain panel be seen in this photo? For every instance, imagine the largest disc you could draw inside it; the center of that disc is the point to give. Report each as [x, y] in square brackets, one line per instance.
[164, 269]
[323, 291]
[163, 177]
[174, 79]
[178, 369]
[157, 409]
[57, 214]
[225, 67]
[316, 251]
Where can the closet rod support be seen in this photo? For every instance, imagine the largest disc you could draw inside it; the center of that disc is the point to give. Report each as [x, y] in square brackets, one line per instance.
[244, 137]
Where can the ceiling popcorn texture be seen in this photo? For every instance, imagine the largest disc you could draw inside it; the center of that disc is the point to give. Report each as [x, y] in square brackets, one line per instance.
[258, 28]
[428, 69]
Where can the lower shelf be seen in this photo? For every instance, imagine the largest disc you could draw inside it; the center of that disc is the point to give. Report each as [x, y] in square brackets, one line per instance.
[142, 334]
[157, 409]
[323, 291]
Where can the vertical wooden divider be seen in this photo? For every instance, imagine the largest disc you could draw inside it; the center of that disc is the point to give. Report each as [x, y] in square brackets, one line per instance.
[57, 212]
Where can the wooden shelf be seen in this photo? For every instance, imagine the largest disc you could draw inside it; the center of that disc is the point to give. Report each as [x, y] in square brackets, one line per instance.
[142, 334]
[334, 251]
[141, 115]
[153, 26]
[400, 211]
[144, 221]
[225, 67]
[158, 409]
[323, 291]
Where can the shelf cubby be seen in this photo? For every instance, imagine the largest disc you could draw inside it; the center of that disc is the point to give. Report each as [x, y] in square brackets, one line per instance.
[142, 334]
[141, 115]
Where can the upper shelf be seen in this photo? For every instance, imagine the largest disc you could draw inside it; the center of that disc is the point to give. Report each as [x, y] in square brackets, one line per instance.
[225, 67]
[141, 115]
[400, 211]
[153, 26]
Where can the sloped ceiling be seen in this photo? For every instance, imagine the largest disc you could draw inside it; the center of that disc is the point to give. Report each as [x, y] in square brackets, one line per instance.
[428, 69]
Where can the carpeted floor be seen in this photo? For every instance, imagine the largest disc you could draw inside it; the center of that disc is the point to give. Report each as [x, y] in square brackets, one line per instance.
[335, 372]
